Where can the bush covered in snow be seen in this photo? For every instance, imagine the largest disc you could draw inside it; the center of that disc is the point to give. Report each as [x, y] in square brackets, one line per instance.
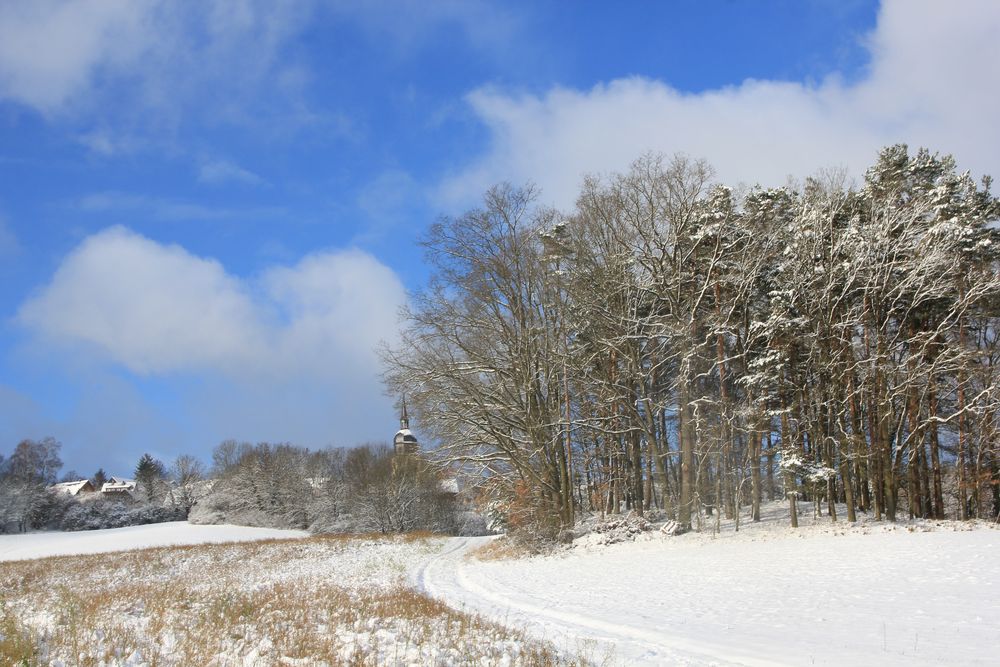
[622, 528]
[101, 513]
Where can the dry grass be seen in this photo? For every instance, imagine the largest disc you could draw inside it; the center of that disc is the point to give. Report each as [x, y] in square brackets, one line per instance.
[298, 602]
[502, 548]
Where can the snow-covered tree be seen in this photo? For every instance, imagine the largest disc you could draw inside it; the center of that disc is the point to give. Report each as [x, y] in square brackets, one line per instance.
[670, 341]
[150, 478]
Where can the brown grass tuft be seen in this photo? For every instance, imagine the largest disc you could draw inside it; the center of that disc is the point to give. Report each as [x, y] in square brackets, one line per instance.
[502, 548]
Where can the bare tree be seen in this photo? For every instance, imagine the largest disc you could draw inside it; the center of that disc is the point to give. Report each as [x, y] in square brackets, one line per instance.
[481, 349]
[186, 474]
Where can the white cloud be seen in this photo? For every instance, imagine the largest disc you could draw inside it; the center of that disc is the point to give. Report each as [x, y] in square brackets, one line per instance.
[287, 355]
[49, 50]
[56, 56]
[932, 81]
[336, 307]
[149, 307]
[157, 309]
[217, 172]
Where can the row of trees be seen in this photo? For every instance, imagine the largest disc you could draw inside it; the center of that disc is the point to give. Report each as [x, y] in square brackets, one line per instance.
[672, 343]
[26, 501]
[363, 488]
[334, 490]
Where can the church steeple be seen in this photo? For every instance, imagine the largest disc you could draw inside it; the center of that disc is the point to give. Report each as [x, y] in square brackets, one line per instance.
[404, 419]
[405, 442]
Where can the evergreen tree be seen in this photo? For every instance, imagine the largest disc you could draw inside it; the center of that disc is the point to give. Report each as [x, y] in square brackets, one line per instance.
[149, 477]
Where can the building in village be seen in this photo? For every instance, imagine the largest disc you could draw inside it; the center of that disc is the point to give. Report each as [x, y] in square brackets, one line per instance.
[405, 442]
[76, 488]
[119, 487]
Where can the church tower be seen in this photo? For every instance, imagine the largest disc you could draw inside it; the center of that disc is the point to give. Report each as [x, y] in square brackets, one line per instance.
[405, 442]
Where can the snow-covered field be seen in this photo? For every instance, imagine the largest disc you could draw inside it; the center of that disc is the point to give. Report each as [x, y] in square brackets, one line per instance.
[926, 593]
[312, 601]
[916, 593]
[40, 545]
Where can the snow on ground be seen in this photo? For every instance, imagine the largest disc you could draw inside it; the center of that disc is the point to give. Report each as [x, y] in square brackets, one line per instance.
[914, 593]
[322, 600]
[40, 545]
[922, 593]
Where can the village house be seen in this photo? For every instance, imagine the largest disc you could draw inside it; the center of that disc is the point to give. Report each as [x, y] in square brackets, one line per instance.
[119, 487]
[76, 488]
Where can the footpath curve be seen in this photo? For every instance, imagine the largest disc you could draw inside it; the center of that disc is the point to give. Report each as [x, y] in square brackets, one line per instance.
[450, 577]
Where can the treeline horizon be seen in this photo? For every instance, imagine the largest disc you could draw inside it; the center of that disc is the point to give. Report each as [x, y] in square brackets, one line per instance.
[670, 344]
[364, 488]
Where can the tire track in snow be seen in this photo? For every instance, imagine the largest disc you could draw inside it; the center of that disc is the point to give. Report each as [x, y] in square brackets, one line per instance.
[446, 577]
[421, 579]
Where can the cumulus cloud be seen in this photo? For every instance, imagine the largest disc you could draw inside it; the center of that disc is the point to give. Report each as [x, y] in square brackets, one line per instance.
[158, 309]
[286, 355]
[334, 307]
[149, 307]
[931, 81]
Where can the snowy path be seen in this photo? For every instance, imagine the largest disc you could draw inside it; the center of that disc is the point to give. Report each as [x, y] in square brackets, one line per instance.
[922, 598]
[40, 545]
[449, 576]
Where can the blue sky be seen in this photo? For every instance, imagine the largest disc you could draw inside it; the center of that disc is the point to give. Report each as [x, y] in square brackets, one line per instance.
[209, 211]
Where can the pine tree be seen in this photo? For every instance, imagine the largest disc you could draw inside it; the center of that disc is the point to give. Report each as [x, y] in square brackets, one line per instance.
[149, 476]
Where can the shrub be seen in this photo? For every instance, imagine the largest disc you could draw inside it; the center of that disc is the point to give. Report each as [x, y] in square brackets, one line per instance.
[100, 513]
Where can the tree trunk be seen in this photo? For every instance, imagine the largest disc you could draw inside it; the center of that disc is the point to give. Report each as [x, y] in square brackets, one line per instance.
[845, 471]
[687, 455]
[755, 481]
[938, 493]
[636, 471]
